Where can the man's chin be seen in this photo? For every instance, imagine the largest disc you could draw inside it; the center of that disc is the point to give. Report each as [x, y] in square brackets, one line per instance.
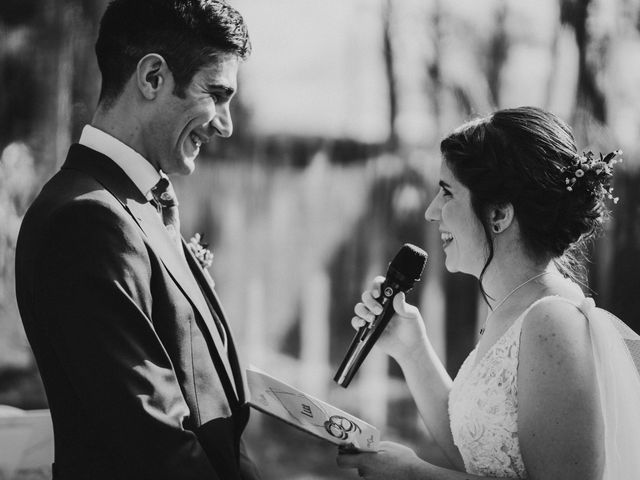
[187, 166]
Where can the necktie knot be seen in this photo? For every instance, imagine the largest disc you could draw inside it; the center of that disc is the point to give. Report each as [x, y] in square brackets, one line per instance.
[165, 199]
[164, 194]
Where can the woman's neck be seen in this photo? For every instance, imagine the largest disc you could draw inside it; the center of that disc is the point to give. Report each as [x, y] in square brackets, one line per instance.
[505, 280]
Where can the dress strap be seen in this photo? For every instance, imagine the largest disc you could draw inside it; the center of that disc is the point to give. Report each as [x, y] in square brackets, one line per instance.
[585, 306]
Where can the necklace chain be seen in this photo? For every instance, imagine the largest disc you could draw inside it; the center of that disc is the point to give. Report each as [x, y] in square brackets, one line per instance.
[493, 310]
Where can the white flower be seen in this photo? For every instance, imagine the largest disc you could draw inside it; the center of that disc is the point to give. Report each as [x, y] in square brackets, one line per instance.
[200, 251]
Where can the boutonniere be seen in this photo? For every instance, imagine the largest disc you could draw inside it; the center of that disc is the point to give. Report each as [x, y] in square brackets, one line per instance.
[200, 251]
[203, 255]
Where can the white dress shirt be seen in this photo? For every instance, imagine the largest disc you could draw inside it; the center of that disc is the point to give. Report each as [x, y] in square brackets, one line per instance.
[137, 168]
[134, 165]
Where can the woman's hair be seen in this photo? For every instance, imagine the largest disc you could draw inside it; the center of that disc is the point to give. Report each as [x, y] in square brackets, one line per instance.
[528, 157]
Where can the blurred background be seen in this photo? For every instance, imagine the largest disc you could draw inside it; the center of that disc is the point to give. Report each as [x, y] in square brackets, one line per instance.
[333, 161]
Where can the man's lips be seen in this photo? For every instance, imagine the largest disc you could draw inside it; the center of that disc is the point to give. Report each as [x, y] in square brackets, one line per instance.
[197, 139]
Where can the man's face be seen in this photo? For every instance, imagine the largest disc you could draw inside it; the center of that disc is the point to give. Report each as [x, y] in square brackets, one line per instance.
[180, 126]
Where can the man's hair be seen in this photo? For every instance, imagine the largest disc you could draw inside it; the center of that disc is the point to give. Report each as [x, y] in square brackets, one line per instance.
[187, 33]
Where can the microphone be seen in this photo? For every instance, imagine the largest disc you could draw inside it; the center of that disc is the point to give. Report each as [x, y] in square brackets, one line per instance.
[404, 271]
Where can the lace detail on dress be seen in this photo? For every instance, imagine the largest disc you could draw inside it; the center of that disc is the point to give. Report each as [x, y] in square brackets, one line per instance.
[483, 402]
[483, 409]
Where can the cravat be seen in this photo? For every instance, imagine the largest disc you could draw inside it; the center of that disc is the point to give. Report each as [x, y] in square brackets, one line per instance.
[167, 202]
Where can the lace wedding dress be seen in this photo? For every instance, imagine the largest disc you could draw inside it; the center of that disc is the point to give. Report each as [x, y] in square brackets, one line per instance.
[483, 402]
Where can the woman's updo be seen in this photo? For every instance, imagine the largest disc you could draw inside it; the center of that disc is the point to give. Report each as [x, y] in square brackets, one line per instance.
[528, 157]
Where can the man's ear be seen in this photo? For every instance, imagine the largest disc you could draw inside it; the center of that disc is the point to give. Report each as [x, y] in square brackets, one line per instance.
[501, 217]
[151, 75]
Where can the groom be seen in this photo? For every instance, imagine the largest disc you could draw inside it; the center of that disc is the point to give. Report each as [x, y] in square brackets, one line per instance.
[139, 366]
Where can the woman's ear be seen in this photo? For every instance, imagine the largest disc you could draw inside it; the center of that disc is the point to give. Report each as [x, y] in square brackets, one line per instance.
[501, 217]
[151, 75]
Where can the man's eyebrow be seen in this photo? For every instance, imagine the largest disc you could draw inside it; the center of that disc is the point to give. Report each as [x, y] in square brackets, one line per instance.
[444, 184]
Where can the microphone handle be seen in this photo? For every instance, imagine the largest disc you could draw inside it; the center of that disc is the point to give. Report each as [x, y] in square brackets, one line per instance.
[367, 336]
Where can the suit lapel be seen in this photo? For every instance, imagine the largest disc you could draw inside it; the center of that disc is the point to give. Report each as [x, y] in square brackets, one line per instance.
[108, 174]
[207, 286]
[161, 242]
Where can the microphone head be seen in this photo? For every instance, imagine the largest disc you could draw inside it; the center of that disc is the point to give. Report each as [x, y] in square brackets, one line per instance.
[409, 262]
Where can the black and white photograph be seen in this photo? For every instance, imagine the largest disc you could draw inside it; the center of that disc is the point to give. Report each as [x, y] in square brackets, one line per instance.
[319, 240]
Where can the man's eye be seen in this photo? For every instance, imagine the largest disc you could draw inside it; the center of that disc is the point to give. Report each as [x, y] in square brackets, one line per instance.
[445, 192]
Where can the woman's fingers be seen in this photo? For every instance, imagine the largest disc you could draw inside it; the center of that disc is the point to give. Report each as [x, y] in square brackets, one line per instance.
[375, 289]
[358, 323]
[367, 310]
[363, 312]
[369, 301]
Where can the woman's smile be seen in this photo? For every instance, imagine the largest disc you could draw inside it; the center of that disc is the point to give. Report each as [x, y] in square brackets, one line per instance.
[446, 238]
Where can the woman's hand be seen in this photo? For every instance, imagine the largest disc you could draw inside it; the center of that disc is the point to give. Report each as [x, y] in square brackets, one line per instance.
[404, 334]
[392, 461]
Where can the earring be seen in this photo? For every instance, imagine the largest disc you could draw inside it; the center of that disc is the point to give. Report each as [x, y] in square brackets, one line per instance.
[496, 228]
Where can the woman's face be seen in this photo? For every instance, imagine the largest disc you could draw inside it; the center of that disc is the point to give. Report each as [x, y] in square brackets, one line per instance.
[463, 237]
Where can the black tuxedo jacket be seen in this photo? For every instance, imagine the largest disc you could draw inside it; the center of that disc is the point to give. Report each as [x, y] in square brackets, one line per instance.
[125, 334]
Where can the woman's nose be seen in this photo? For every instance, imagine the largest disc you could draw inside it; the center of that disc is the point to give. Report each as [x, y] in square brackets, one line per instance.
[432, 214]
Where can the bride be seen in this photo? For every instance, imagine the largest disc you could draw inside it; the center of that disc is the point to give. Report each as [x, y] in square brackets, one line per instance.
[550, 390]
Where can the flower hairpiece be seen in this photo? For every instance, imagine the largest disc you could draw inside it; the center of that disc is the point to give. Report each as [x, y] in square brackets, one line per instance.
[592, 173]
[200, 251]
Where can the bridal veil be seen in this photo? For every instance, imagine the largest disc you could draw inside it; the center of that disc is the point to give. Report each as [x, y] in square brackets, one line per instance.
[616, 350]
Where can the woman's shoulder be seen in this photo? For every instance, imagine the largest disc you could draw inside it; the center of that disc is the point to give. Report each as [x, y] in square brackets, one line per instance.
[555, 329]
[561, 307]
[558, 397]
[555, 314]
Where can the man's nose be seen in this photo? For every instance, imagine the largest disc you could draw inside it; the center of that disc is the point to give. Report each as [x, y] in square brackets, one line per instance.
[222, 123]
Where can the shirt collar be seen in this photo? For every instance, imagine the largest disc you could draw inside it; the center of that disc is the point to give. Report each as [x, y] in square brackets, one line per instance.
[134, 165]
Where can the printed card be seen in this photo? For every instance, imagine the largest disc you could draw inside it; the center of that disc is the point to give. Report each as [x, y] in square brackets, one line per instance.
[309, 414]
